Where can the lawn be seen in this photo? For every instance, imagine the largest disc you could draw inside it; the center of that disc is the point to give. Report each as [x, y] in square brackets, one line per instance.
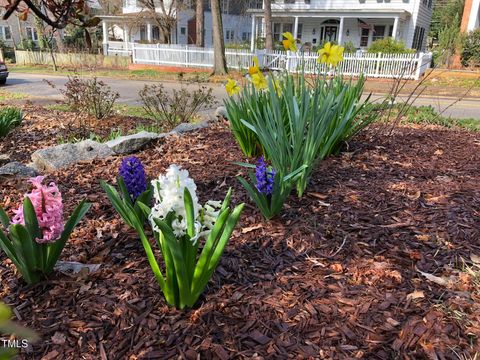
[378, 260]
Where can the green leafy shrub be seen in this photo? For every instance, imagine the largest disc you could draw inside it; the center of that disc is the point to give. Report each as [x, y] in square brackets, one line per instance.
[10, 117]
[89, 95]
[350, 47]
[471, 49]
[172, 110]
[389, 46]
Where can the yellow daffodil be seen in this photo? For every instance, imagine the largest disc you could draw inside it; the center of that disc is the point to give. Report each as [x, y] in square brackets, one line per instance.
[259, 81]
[255, 69]
[289, 43]
[330, 54]
[232, 87]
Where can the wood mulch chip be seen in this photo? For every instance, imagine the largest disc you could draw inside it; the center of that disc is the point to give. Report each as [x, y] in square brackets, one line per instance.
[371, 263]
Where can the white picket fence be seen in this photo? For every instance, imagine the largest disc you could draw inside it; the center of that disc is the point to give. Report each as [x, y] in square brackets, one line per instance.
[407, 66]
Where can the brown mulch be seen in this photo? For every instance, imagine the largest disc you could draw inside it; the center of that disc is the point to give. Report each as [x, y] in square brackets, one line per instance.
[335, 277]
[43, 128]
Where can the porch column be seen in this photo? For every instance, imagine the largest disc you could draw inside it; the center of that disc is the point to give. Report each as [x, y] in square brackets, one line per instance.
[254, 33]
[126, 36]
[149, 32]
[105, 37]
[295, 28]
[395, 28]
[340, 31]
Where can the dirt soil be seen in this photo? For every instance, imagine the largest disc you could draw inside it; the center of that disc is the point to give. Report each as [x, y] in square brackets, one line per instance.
[371, 263]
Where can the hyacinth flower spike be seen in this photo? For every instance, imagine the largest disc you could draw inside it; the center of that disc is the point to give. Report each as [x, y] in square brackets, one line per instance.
[268, 188]
[37, 233]
[132, 183]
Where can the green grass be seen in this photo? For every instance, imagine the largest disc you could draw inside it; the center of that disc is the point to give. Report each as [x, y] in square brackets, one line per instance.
[427, 115]
[8, 96]
[144, 74]
[121, 109]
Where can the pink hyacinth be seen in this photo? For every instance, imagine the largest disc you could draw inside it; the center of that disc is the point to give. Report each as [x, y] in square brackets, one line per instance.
[47, 202]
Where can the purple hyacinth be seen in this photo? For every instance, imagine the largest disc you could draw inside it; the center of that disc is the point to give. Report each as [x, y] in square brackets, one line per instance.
[133, 174]
[264, 177]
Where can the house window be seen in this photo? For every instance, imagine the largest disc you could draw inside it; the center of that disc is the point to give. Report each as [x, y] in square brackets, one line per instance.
[230, 34]
[287, 28]
[155, 33]
[418, 37]
[143, 33]
[245, 36]
[364, 37]
[276, 31]
[183, 30]
[5, 33]
[299, 31]
[378, 32]
[31, 33]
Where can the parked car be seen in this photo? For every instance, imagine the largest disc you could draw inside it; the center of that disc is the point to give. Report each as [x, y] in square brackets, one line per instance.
[3, 73]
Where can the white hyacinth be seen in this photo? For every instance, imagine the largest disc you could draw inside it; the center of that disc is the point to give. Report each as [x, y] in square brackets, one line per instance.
[168, 193]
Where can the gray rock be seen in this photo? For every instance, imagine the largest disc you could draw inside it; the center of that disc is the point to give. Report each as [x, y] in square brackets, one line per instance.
[4, 159]
[17, 169]
[221, 113]
[132, 143]
[65, 155]
[187, 127]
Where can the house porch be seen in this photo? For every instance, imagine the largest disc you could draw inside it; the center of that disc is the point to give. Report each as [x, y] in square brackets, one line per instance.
[315, 28]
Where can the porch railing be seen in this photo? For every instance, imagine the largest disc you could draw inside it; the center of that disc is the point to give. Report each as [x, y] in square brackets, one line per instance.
[407, 66]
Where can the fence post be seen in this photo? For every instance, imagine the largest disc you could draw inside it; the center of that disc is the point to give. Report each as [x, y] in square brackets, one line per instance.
[134, 57]
[377, 66]
[419, 66]
[186, 55]
[287, 62]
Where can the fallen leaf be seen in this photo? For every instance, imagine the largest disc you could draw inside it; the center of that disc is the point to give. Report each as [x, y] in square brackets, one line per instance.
[436, 279]
[417, 294]
[475, 259]
[251, 228]
[58, 338]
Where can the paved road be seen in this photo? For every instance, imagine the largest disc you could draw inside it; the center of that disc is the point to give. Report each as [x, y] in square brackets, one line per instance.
[36, 86]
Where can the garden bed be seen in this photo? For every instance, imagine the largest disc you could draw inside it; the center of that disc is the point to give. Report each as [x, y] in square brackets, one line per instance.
[336, 276]
[42, 128]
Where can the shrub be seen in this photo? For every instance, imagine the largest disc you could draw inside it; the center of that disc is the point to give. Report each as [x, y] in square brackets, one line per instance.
[389, 46]
[471, 49]
[179, 223]
[171, 110]
[10, 117]
[89, 95]
[37, 234]
[350, 47]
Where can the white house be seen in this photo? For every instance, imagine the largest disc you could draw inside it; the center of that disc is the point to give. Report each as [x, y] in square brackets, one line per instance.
[135, 24]
[358, 21]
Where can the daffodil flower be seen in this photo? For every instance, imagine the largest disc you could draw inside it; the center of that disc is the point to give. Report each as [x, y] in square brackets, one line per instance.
[255, 69]
[232, 87]
[289, 43]
[259, 81]
[330, 54]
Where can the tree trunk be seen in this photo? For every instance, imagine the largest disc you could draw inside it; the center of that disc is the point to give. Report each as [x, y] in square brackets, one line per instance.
[200, 23]
[268, 25]
[220, 62]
